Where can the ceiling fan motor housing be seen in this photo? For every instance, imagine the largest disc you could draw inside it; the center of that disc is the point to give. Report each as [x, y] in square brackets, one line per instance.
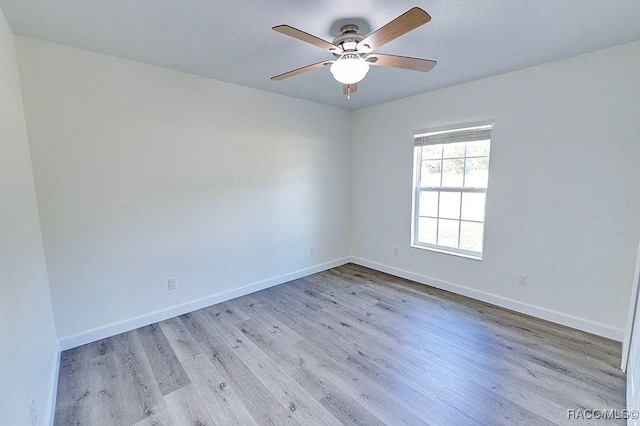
[348, 39]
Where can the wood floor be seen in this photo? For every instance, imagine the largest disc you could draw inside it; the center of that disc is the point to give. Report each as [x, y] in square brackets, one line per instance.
[346, 346]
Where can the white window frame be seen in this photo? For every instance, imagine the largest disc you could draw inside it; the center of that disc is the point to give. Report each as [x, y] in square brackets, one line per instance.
[462, 133]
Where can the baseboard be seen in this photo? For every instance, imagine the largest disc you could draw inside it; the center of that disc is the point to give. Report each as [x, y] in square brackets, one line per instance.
[514, 305]
[98, 333]
[49, 416]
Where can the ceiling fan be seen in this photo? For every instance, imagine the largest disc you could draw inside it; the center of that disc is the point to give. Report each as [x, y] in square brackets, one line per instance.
[354, 51]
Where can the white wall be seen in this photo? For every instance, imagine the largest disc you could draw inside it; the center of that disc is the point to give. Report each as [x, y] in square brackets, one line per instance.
[29, 348]
[143, 173]
[564, 191]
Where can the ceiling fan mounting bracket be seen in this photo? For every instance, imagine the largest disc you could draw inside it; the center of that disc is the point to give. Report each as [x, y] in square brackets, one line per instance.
[349, 28]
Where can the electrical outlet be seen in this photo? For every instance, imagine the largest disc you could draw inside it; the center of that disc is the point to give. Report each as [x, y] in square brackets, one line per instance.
[173, 283]
[33, 413]
[396, 251]
[312, 251]
[522, 279]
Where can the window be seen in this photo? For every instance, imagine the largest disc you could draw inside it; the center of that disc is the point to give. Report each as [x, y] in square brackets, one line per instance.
[451, 176]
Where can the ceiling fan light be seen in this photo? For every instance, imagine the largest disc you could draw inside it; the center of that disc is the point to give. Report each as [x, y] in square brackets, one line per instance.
[349, 69]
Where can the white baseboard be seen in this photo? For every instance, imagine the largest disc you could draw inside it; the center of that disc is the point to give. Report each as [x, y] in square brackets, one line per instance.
[589, 326]
[51, 410]
[98, 333]
[514, 305]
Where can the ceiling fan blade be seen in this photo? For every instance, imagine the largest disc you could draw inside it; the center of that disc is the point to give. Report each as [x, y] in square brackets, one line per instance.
[404, 23]
[348, 89]
[306, 37]
[406, 62]
[300, 70]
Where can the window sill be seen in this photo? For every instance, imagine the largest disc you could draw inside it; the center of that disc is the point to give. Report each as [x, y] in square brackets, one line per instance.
[449, 252]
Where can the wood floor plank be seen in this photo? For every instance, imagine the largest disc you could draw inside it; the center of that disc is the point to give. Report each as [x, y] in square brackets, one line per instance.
[543, 380]
[81, 386]
[375, 399]
[256, 312]
[391, 403]
[222, 403]
[489, 408]
[184, 407]
[118, 388]
[261, 404]
[347, 346]
[297, 364]
[73, 366]
[137, 389]
[182, 342]
[166, 368]
[301, 406]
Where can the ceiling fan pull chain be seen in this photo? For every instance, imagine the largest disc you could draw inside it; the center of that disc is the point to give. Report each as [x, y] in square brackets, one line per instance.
[348, 92]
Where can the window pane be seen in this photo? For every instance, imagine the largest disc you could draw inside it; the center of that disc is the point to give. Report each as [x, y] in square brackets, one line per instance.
[450, 197]
[452, 172]
[430, 173]
[450, 205]
[431, 152]
[428, 204]
[452, 150]
[448, 232]
[477, 172]
[471, 236]
[478, 149]
[473, 206]
[427, 230]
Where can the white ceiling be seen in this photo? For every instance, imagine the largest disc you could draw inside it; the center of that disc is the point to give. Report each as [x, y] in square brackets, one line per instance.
[232, 40]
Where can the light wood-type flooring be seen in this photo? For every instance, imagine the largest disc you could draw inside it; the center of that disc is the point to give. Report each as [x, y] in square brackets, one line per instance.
[346, 346]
